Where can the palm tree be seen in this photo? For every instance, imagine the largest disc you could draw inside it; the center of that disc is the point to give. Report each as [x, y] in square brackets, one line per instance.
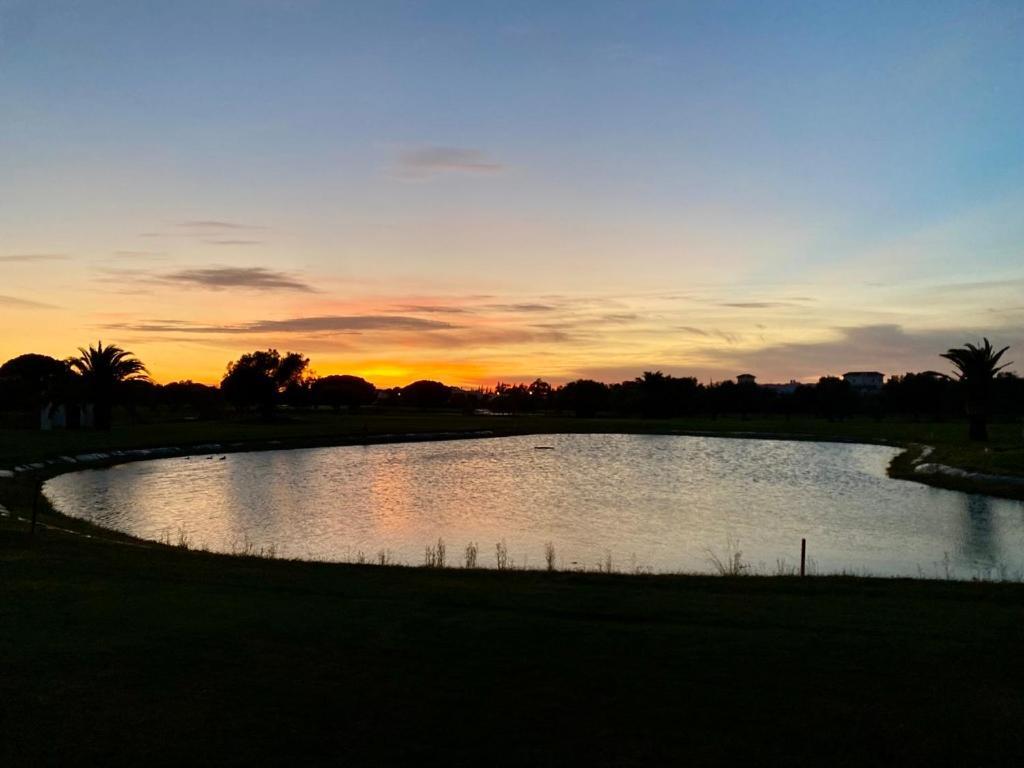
[976, 367]
[104, 369]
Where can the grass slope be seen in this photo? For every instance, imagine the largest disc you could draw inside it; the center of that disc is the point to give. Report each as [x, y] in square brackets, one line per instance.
[120, 655]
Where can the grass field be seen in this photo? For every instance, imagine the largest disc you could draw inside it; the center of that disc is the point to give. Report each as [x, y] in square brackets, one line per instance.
[116, 653]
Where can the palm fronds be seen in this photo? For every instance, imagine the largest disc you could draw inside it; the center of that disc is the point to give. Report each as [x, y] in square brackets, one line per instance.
[976, 365]
[108, 365]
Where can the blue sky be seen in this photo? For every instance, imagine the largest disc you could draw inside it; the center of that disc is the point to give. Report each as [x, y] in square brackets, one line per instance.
[795, 183]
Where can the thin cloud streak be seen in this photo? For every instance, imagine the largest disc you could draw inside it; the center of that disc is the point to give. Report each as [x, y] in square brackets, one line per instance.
[423, 162]
[215, 225]
[212, 231]
[28, 257]
[755, 304]
[16, 303]
[140, 254]
[322, 324]
[253, 278]
[522, 307]
[439, 309]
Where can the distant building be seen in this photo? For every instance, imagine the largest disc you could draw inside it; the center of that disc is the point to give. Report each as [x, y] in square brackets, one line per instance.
[864, 381]
[746, 378]
[782, 389]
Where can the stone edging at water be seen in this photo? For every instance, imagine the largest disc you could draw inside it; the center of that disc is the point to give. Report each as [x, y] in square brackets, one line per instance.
[100, 459]
[945, 476]
[965, 474]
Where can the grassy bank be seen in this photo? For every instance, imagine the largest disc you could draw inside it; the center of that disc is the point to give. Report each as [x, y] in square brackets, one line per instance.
[119, 655]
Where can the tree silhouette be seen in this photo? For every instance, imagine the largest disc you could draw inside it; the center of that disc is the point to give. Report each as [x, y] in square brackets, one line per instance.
[834, 397]
[104, 371]
[343, 391]
[584, 397]
[207, 402]
[655, 389]
[258, 379]
[28, 382]
[540, 392]
[976, 368]
[425, 394]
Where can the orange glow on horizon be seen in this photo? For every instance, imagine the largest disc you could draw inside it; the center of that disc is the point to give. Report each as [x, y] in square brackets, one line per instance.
[382, 373]
[386, 373]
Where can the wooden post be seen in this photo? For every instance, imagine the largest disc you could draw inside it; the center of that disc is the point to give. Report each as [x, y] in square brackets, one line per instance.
[803, 557]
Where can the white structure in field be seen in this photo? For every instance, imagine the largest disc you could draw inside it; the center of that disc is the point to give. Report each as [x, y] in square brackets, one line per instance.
[864, 381]
[61, 416]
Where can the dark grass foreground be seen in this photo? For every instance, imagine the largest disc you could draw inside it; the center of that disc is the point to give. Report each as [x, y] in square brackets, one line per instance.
[112, 654]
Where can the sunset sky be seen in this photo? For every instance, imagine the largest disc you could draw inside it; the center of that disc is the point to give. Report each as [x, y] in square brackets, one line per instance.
[482, 191]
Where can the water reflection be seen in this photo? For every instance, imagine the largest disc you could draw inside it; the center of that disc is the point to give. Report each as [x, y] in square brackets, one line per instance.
[979, 540]
[658, 502]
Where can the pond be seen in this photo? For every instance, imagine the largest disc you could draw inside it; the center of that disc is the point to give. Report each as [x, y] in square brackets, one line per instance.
[629, 502]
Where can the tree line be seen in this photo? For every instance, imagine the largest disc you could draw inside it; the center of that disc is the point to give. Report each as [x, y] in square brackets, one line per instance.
[263, 381]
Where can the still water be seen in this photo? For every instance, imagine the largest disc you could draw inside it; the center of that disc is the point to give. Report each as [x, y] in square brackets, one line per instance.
[660, 503]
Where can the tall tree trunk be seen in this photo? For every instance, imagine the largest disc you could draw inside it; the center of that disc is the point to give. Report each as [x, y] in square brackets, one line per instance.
[102, 413]
[977, 419]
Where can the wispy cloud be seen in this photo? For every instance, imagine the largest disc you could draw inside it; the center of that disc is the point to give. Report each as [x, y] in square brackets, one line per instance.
[15, 302]
[214, 278]
[440, 309]
[140, 255]
[34, 257]
[889, 348]
[212, 231]
[755, 304]
[251, 278]
[706, 333]
[319, 324]
[619, 317]
[351, 323]
[215, 225]
[468, 338]
[422, 162]
[527, 306]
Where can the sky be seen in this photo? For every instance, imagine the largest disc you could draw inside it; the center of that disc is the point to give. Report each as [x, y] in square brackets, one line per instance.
[492, 191]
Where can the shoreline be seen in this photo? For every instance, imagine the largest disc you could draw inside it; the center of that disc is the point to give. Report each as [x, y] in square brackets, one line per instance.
[909, 464]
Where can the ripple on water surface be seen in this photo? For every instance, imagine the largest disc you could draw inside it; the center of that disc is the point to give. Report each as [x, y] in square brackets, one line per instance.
[645, 501]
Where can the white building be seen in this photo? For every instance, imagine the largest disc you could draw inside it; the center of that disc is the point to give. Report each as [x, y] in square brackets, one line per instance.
[864, 381]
